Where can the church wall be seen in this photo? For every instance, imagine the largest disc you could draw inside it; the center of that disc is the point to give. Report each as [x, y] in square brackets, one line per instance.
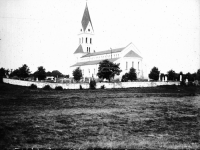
[86, 85]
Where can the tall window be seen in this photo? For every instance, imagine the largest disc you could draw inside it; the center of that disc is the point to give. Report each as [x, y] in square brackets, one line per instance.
[90, 40]
[82, 39]
[87, 49]
[138, 65]
[126, 65]
[79, 40]
[133, 64]
[85, 40]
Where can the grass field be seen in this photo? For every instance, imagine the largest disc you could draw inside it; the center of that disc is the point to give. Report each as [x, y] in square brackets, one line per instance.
[148, 118]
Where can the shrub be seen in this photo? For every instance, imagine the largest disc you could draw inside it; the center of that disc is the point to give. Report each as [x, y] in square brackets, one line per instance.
[125, 77]
[103, 87]
[92, 84]
[81, 87]
[46, 87]
[33, 86]
[59, 88]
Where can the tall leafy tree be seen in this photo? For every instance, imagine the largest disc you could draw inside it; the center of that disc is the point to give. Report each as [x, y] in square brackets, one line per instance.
[154, 74]
[77, 73]
[198, 75]
[171, 75]
[40, 73]
[24, 71]
[108, 70]
[2, 74]
[132, 74]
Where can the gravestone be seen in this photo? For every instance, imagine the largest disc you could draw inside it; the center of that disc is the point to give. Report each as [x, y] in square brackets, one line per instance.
[165, 78]
[186, 81]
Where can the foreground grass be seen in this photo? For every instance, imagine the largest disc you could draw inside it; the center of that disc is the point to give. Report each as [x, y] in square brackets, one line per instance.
[156, 118]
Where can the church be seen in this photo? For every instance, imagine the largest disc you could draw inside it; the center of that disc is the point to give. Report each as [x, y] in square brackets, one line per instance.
[87, 59]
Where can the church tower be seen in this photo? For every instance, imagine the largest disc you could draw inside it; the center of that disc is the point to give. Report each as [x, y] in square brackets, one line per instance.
[86, 33]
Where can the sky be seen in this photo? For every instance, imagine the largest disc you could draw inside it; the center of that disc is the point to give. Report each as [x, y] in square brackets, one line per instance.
[45, 32]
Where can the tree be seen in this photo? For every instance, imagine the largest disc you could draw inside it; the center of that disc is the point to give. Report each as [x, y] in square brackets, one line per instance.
[40, 73]
[171, 75]
[132, 74]
[2, 74]
[48, 73]
[24, 71]
[198, 75]
[154, 74]
[108, 70]
[189, 76]
[56, 73]
[77, 73]
[14, 73]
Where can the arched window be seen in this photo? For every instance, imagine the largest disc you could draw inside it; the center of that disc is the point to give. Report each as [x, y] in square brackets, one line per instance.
[90, 40]
[85, 40]
[133, 64]
[82, 39]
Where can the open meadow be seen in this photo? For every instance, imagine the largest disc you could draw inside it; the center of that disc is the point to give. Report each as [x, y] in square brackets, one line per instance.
[149, 118]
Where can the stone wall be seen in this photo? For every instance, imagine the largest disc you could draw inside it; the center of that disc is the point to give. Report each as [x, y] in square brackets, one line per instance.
[86, 85]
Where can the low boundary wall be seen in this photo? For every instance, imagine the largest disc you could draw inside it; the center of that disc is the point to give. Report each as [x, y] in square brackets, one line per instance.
[86, 85]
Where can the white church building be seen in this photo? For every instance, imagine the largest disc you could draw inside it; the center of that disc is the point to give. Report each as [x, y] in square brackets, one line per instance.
[88, 60]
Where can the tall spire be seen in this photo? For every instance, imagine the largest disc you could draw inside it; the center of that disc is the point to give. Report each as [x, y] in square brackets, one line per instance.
[86, 18]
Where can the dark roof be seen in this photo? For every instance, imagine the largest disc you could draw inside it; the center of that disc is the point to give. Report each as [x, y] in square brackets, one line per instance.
[92, 62]
[104, 52]
[132, 54]
[86, 18]
[79, 49]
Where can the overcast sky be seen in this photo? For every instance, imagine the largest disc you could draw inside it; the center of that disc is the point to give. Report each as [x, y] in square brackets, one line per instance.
[45, 32]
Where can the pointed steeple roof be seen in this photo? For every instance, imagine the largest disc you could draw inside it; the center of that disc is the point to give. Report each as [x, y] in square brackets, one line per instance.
[86, 18]
[79, 49]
